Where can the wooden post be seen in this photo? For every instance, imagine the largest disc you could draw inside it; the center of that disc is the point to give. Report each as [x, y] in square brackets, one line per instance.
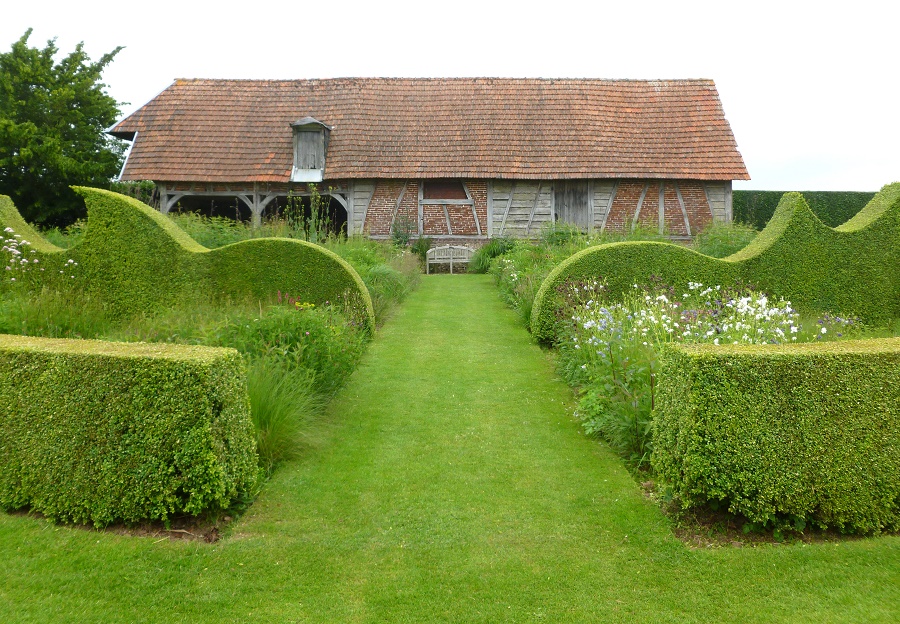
[662, 207]
[537, 199]
[687, 223]
[637, 213]
[163, 199]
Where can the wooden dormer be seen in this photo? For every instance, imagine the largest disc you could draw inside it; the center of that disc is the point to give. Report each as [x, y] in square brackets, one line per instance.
[310, 145]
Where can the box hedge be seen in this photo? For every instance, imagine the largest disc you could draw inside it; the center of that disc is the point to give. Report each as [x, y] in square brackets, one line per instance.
[802, 433]
[135, 260]
[100, 432]
[850, 270]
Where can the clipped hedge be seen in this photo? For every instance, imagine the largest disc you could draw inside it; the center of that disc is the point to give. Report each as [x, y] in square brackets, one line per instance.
[851, 269]
[134, 260]
[802, 433]
[103, 432]
[832, 207]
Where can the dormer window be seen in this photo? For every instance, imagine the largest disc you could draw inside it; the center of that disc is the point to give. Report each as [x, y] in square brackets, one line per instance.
[310, 145]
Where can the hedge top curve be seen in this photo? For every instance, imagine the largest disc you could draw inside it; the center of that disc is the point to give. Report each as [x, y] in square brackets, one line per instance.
[134, 259]
[851, 269]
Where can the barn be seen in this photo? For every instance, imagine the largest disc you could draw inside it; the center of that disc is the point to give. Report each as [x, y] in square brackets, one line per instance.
[458, 160]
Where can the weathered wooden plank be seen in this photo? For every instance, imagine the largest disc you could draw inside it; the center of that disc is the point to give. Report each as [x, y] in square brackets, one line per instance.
[687, 223]
[716, 199]
[637, 212]
[449, 228]
[398, 204]
[662, 207]
[509, 204]
[490, 209]
[729, 209]
[534, 206]
[612, 197]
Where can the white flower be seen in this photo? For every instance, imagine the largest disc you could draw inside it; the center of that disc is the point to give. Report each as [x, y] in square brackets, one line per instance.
[824, 330]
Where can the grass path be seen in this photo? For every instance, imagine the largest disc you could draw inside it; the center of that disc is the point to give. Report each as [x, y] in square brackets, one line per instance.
[454, 486]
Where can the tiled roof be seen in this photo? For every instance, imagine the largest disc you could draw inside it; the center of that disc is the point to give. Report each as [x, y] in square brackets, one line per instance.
[239, 130]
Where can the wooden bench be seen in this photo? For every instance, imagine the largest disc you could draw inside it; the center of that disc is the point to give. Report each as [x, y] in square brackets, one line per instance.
[448, 254]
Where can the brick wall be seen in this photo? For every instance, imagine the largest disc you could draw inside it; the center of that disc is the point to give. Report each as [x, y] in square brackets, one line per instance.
[673, 217]
[381, 209]
[699, 212]
[624, 204]
[628, 193]
[478, 191]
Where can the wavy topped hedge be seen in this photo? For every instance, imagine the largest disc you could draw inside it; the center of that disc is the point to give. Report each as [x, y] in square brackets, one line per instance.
[134, 259]
[851, 269]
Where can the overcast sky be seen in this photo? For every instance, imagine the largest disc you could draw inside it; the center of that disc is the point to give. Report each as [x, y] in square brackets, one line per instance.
[810, 88]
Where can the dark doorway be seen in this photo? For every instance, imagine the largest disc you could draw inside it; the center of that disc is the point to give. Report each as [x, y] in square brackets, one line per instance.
[329, 218]
[216, 206]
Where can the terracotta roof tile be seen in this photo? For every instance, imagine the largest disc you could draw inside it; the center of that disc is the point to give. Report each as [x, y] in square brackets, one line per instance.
[239, 130]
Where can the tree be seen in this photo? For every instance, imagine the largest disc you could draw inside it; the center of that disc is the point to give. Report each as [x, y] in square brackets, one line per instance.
[52, 122]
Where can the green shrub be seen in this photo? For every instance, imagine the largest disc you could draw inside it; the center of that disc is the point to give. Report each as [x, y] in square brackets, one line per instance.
[851, 270]
[719, 240]
[784, 435]
[319, 340]
[52, 314]
[211, 232]
[832, 207]
[420, 248]
[102, 432]
[67, 237]
[259, 269]
[387, 286]
[481, 259]
[134, 259]
[284, 404]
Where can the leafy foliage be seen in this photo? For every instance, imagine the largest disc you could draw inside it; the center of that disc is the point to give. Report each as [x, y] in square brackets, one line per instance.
[102, 432]
[720, 240]
[849, 270]
[481, 259]
[832, 207]
[52, 122]
[609, 350]
[784, 434]
[136, 260]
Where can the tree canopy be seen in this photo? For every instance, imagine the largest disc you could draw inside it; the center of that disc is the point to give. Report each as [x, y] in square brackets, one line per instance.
[52, 121]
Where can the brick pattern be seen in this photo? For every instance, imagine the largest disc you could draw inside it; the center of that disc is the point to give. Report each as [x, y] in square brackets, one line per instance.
[478, 191]
[435, 223]
[628, 194]
[434, 220]
[415, 128]
[673, 218]
[380, 212]
[624, 204]
[698, 209]
[649, 217]
[462, 222]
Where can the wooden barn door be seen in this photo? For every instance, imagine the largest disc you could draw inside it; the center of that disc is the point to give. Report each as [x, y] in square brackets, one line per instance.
[571, 203]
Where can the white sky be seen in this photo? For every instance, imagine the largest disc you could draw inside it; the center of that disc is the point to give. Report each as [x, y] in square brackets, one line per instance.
[810, 88]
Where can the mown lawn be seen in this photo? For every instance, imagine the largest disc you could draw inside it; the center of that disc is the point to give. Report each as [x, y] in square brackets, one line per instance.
[453, 485]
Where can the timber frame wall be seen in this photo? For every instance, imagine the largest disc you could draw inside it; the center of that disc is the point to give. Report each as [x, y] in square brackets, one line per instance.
[492, 208]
